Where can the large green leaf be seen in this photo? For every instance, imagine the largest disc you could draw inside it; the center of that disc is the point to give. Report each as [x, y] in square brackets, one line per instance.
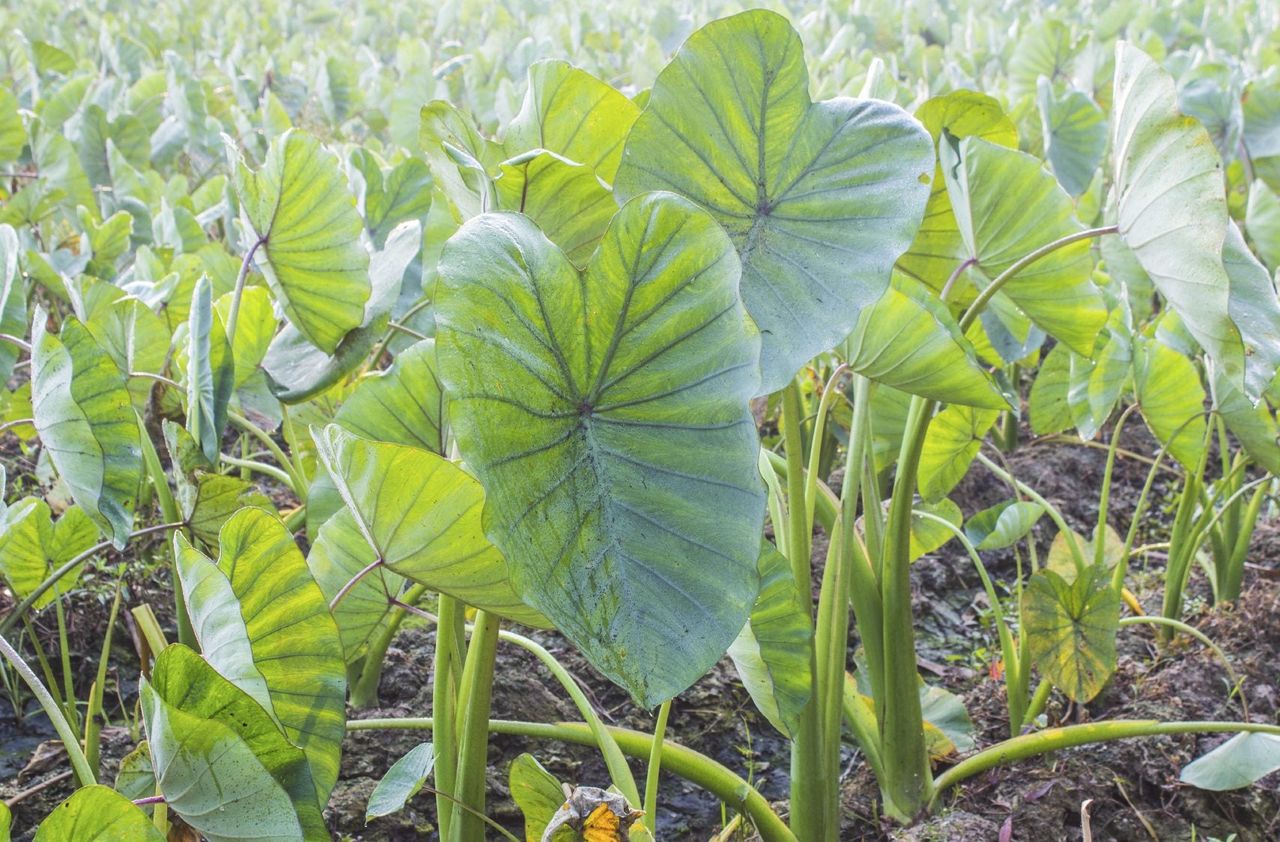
[459, 156]
[948, 728]
[910, 341]
[403, 404]
[1240, 761]
[606, 413]
[573, 114]
[429, 530]
[60, 169]
[85, 419]
[299, 205]
[774, 651]
[1171, 209]
[1006, 207]
[1062, 560]
[954, 439]
[1071, 629]
[1261, 112]
[263, 623]
[927, 534]
[820, 199]
[1075, 135]
[563, 150]
[33, 545]
[97, 814]
[222, 763]
[1171, 399]
[211, 499]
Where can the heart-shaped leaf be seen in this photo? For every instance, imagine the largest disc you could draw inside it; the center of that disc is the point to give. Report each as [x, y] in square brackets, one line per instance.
[222, 762]
[133, 335]
[1254, 426]
[562, 151]
[1049, 399]
[1260, 108]
[1061, 560]
[298, 204]
[13, 296]
[1253, 304]
[255, 326]
[392, 195]
[298, 370]
[1075, 135]
[85, 419]
[263, 623]
[820, 199]
[1071, 629]
[1042, 48]
[1094, 383]
[32, 546]
[773, 653]
[605, 424]
[954, 439]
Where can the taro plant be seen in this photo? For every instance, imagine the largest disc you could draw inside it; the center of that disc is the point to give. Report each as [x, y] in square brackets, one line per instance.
[511, 378]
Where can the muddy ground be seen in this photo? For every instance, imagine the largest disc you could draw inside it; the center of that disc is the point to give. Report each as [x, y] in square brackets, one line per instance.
[1132, 786]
